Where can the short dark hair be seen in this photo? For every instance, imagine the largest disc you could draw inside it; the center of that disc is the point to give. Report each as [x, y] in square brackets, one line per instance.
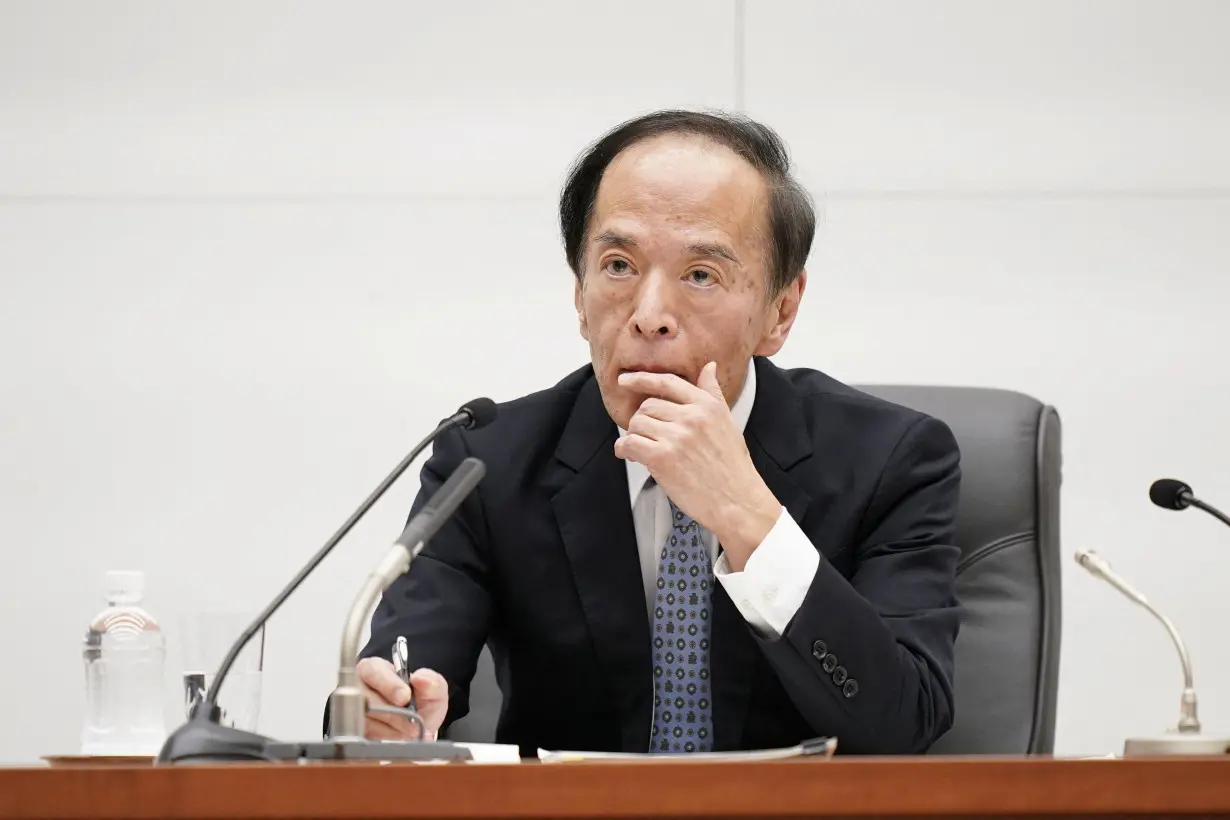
[792, 216]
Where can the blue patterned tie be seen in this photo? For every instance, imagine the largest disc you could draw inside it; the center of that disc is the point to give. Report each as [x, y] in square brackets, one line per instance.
[682, 704]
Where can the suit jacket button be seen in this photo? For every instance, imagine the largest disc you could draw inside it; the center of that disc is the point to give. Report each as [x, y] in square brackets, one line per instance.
[850, 689]
[830, 663]
[819, 650]
[840, 675]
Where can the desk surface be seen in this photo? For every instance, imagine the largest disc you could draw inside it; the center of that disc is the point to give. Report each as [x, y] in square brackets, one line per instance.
[843, 787]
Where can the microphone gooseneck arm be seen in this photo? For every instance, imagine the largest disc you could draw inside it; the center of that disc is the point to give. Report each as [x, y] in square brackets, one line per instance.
[203, 738]
[1100, 568]
[1210, 509]
[348, 704]
[209, 703]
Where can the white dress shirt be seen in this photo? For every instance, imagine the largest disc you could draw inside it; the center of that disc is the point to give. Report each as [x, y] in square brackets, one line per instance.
[776, 577]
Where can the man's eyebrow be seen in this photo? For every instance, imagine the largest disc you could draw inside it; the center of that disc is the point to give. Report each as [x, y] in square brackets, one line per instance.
[714, 249]
[612, 238]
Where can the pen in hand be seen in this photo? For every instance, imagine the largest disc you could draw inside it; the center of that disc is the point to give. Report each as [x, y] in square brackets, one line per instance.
[401, 665]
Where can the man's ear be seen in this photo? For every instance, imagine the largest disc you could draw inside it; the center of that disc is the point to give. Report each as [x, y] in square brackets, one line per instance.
[784, 310]
[578, 292]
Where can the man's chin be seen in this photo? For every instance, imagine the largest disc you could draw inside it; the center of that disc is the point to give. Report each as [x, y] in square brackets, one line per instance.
[621, 408]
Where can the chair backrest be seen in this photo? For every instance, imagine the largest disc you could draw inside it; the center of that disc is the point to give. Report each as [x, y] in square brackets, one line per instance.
[1008, 580]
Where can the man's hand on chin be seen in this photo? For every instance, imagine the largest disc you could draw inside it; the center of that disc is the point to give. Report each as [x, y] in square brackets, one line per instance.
[685, 435]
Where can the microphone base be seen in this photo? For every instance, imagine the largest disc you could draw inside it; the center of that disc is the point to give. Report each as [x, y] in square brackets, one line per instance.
[368, 750]
[201, 741]
[1176, 743]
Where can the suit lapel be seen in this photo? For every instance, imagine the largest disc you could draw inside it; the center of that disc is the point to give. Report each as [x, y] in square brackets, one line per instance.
[777, 439]
[595, 522]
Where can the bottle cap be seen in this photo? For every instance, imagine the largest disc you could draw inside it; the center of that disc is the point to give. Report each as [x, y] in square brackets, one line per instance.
[125, 586]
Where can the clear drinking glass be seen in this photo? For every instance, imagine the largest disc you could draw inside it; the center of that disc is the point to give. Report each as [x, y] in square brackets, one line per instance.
[206, 637]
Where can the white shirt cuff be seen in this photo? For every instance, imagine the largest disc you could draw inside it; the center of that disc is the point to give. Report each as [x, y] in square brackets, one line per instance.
[774, 582]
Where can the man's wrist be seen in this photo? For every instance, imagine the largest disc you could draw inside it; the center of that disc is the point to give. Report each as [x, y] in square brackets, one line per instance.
[747, 525]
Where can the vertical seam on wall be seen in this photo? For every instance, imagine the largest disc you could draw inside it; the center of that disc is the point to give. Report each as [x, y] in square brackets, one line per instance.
[739, 41]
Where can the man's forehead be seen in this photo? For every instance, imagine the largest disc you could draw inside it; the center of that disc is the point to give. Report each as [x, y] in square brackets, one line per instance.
[678, 167]
[693, 189]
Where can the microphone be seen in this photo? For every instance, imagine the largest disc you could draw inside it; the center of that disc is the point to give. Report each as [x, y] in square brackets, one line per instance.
[348, 704]
[1186, 739]
[203, 739]
[1172, 494]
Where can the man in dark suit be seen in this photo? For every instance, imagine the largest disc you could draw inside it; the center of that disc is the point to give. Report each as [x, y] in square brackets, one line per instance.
[681, 547]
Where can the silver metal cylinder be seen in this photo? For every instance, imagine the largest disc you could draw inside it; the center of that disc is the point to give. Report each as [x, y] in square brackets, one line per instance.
[348, 703]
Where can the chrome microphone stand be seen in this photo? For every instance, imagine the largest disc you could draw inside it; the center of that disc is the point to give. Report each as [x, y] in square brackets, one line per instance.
[1186, 738]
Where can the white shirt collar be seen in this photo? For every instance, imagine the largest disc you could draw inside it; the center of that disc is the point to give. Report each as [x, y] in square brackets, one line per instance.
[741, 410]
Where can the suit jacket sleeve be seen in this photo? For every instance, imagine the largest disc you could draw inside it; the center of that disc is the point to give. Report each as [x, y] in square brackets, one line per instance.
[870, 659]
[442, 605]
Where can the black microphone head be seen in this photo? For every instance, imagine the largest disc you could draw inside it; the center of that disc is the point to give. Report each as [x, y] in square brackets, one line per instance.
[479, 413]
[1170, 494]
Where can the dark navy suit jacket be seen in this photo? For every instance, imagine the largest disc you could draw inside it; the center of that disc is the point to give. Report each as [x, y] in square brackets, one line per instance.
[541, 563]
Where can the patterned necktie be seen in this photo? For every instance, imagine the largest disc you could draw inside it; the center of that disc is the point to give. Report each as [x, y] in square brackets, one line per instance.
[682, 704]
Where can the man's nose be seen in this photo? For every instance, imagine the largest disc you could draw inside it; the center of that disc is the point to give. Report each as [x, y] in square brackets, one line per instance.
[655, 315]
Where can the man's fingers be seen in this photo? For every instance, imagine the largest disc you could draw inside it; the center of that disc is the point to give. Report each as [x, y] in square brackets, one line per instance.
[383, 687]
[378, 675]
[633, 447]
[377, 729]
[661, 409]
[647, 426]
[386, 725]
[374, 699]
[663, 385]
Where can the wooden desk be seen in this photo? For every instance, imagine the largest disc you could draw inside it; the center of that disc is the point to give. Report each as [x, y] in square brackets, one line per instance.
[851, 787]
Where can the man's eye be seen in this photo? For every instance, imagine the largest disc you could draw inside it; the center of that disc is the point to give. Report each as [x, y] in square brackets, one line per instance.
[701, 276]
[618, 266]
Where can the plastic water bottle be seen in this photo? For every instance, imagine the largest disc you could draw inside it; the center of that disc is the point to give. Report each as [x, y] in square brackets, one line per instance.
[124, 654]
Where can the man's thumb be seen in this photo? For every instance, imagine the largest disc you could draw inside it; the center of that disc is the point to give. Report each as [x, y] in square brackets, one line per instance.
[708, 381]
[429, 685]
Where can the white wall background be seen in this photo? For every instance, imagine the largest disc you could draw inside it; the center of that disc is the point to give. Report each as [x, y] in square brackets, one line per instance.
[251, 252]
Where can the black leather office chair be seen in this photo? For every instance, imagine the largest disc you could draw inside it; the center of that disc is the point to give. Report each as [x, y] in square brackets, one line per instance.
[1008, 580]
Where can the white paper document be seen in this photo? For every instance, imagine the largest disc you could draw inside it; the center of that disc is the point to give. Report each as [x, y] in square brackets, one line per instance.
[821, 748]
[492, 752]
[480, 753]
